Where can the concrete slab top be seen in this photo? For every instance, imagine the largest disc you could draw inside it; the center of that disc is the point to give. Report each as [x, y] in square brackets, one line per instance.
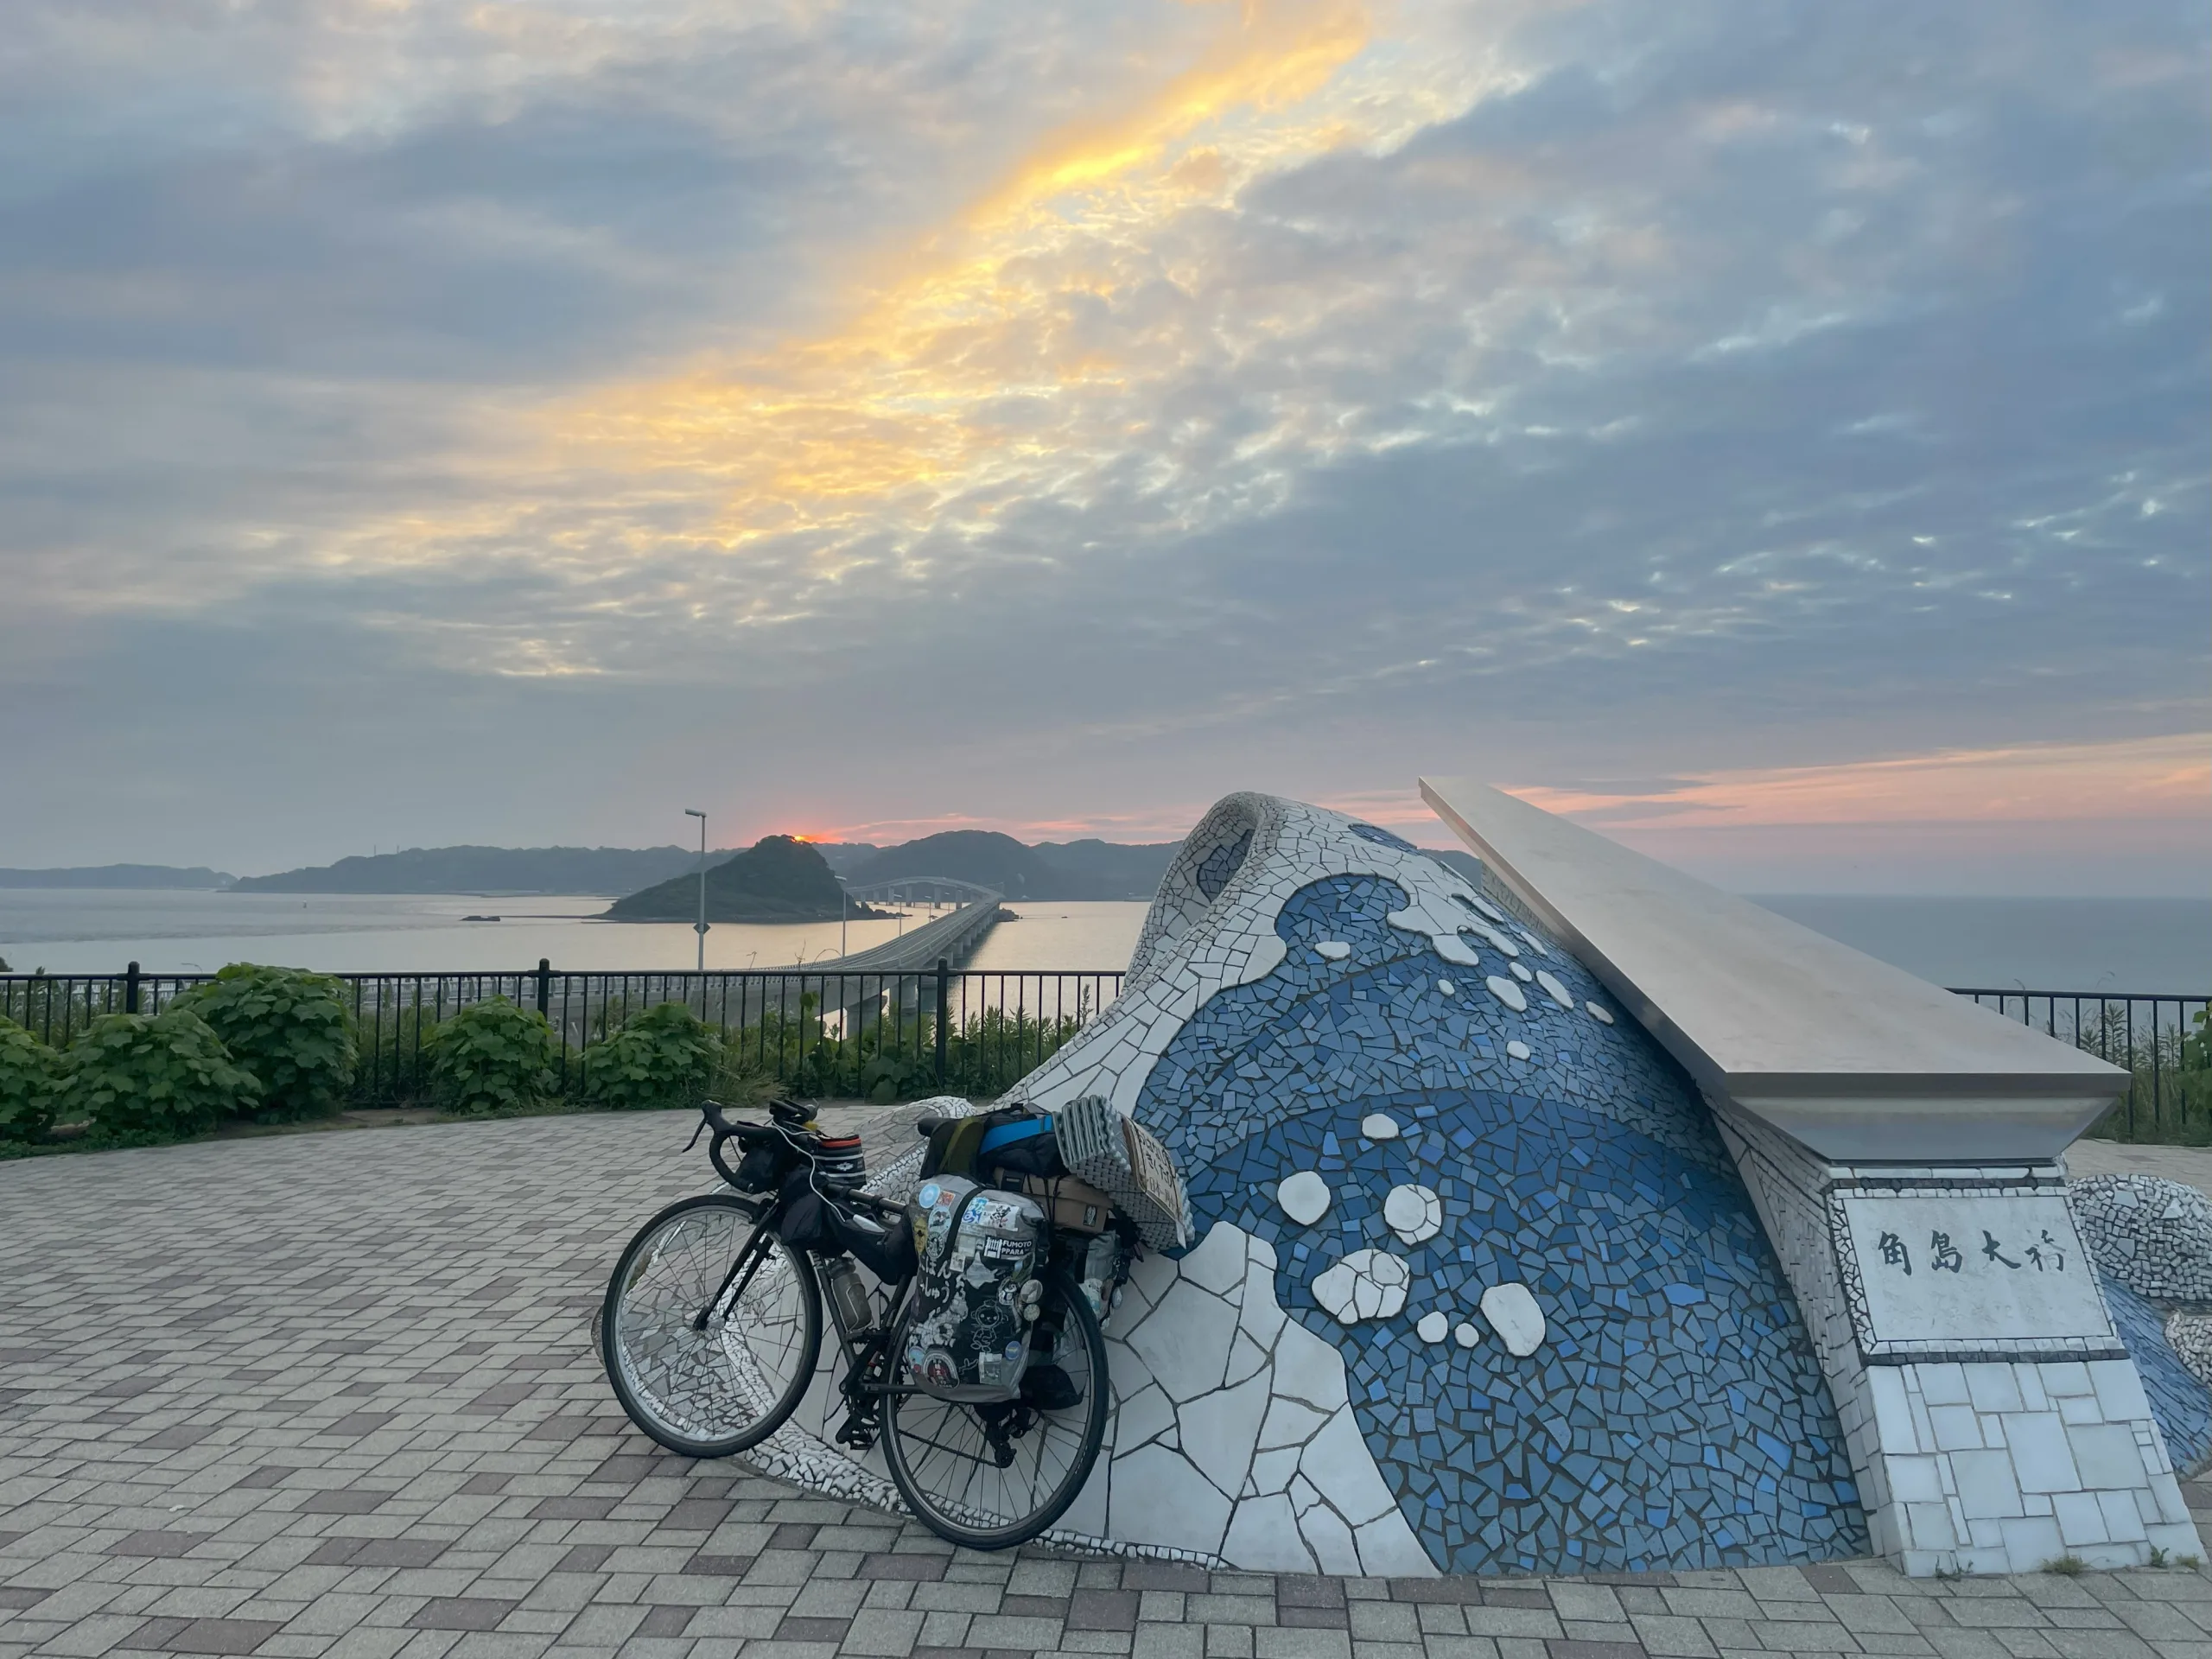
[1861, 1061]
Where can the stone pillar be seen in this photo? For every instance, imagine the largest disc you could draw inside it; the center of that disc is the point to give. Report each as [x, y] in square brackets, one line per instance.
[1993, 1419]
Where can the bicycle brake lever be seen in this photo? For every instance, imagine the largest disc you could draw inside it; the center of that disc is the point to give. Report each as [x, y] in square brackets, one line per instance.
[695, 1133]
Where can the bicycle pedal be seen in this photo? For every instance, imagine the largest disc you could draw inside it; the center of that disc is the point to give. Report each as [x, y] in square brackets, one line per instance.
[857, 1434]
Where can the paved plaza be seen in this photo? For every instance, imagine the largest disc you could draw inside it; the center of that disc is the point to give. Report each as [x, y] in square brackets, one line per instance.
[336, 1394]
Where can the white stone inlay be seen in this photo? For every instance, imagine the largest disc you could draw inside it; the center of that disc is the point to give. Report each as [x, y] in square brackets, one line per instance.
[1508, 992]
[1513, 1314]
[1433, 1328]
[1379, 1126]
[1519, 1050]
[1447, 988]
[1334, 949]
[1466, 1335]
[1365, 1285]
[1521, 973]
[1415, 1214]
[1303, 1197]
[1554, 990]
[1599, 1013]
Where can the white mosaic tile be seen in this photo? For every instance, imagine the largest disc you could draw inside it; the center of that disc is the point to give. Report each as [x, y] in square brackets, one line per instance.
[1415, 1214]
[1365, 1284]
[1512, 1311]
[1303, 1197]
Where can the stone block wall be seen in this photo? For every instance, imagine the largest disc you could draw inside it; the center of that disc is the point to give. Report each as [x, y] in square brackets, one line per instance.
[2003, 1461]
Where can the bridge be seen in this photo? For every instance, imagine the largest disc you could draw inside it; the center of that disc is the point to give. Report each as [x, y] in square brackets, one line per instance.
[952, 938]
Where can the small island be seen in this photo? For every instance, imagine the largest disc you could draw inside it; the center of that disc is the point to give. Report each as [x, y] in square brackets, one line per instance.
[778, 879]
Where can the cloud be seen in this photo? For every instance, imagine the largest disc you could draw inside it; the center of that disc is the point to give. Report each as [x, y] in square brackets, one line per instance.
[2144, 778]
[1159, 399]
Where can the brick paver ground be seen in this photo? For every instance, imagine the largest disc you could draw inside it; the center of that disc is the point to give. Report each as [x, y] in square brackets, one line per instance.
[335, 1394]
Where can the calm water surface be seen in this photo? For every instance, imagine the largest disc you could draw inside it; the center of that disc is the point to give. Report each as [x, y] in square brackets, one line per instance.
[2067, 944]
[81, 930]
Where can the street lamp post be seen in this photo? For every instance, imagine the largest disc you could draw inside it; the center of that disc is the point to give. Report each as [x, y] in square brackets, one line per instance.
[700, 926]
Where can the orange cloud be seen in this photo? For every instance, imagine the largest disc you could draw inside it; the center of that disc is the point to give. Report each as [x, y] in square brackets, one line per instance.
[2143, 777]
[884, 422]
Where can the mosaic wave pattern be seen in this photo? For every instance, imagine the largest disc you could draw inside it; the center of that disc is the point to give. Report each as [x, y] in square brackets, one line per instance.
[1565, 1343]
[1674, 1416]
[2180, 1403]
[2152, 1239]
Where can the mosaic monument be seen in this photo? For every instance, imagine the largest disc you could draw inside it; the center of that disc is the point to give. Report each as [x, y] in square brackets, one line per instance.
[1487, 1279]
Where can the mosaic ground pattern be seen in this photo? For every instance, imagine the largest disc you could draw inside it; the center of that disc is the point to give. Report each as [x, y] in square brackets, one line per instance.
[1674, 1413]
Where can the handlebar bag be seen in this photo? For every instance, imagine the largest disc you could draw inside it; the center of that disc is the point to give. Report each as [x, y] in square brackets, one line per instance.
[758, 1171]
[979, 1252]
[802, 1217]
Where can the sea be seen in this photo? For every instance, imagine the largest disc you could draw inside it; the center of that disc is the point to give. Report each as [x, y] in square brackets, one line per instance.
[2144, 945]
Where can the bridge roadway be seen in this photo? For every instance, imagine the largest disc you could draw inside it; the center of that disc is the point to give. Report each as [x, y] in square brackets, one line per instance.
[952, 938]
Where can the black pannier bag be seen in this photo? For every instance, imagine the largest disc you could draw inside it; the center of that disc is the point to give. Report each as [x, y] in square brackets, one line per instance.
[977, 1290]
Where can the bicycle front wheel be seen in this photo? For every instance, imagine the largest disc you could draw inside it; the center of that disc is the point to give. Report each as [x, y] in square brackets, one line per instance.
[990, 1477]
[711, 1327]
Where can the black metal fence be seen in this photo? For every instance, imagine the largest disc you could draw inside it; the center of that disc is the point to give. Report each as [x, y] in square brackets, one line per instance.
[889, 1035]
[814, 1032]
[2162, 1043]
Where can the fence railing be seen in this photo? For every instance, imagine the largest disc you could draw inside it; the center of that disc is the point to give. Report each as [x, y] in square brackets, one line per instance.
[826, 1032]
[814, 1032]
[2161, 1042]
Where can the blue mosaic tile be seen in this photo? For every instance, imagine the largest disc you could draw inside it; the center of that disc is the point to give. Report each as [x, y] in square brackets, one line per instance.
[1674, 1416]
[2180, 1404]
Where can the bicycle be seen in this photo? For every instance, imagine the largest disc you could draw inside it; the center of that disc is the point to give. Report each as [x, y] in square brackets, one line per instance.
[711, 1334]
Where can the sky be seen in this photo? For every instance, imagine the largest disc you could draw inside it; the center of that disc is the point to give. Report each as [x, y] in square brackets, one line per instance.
[1776, 434]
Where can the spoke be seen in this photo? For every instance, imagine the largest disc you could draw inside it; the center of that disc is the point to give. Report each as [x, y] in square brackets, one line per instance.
[711, 1383]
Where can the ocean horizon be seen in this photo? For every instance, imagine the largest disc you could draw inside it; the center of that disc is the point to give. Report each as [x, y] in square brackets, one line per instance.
[2111, 946]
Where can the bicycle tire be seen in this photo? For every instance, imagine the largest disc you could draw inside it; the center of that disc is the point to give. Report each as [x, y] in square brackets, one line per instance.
[969, 1517]
[713, 1392]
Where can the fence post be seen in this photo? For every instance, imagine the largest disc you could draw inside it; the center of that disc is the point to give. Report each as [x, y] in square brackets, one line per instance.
[944, 1011]
[544, 984]
[131, 988]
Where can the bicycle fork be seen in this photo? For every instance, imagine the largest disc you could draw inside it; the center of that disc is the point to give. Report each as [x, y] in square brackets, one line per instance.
[738, 1278]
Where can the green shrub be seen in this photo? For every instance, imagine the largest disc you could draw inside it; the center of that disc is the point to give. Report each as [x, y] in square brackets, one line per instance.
[665, 1057]
[491, 1056]
[289, 1028]
[30, 1077]
[154, 1077]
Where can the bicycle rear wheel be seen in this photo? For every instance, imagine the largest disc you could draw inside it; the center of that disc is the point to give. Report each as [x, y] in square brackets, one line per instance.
[711, 1327]
[991, 1477]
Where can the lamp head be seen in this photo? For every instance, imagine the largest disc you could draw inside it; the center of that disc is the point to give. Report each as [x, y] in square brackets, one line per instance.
[693, 812]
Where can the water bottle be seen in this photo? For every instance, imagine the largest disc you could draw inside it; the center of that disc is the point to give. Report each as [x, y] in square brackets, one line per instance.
[855, 1308]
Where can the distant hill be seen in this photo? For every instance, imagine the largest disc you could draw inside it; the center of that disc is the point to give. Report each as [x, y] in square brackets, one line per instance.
[1050, 870]
[119, 875]
[776, 880]
[1077, 869]
[843, 857]
[1115, 869]
[488, 869]
[984, 856]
